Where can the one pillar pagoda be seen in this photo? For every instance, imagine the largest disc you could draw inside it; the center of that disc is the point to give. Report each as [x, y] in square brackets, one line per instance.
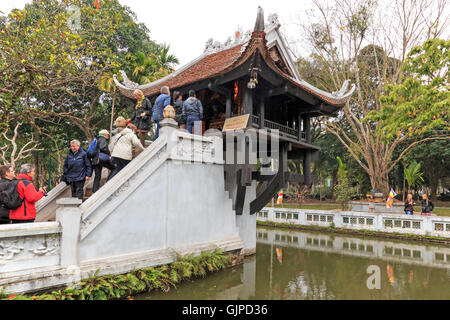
[253, 74]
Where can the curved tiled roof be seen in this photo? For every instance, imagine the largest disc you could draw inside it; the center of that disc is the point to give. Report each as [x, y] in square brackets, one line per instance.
[204, 67]
[208, 66]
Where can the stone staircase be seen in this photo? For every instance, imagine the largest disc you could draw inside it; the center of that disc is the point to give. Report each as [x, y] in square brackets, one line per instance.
[46, 207]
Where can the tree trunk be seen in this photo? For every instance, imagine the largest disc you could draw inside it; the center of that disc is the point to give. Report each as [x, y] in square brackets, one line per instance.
[404, 190]
[333, 184]
[433, 185]
[380, 183]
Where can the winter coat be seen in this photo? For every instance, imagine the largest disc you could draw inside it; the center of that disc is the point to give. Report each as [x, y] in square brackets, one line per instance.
[161, 102]
[143, 122]
[427, 208]
[77, 166]
[4, 212]
[408, 206]
[122, 143]
[178, 106]
[192, 107]
[26, 190]
[102, 146]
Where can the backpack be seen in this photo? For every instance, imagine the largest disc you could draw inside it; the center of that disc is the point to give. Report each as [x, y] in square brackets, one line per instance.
[92, 149]
[9, 196]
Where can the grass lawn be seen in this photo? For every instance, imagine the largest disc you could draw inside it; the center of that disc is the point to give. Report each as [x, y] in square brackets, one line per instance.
[440, 211]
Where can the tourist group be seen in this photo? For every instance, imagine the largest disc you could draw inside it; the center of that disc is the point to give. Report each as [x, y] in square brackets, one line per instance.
[18, 194]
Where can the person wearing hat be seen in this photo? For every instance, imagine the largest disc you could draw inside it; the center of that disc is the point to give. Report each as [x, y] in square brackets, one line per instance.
[121, 146]
[101, 159]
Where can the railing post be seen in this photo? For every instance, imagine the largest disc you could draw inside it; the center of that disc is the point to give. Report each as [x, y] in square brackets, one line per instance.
[427, 225]
[69, 216]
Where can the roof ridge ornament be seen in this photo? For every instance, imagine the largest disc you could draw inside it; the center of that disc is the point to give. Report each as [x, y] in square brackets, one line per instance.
[127, 82]
[341, 92]
[272, 20]
[259, 24]
[212, 46]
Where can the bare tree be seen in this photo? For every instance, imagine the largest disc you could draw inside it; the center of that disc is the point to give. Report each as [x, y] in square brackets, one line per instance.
[11, 157]
[367, 42]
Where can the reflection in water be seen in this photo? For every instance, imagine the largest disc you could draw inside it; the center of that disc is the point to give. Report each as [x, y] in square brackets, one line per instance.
[301, 265]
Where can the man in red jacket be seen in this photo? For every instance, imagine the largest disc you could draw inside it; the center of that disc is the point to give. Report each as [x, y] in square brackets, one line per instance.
[27, 211]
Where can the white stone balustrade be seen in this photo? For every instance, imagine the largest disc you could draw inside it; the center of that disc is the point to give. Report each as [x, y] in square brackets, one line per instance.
[383, 222]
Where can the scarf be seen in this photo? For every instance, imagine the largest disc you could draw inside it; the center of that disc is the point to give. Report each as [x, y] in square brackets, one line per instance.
[139, 103]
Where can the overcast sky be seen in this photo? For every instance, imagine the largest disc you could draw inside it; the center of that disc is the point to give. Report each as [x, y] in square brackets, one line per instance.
[187, 25]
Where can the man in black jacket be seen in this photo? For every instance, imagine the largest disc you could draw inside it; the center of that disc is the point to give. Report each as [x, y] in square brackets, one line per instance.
[6, 175]
[101, 159]
[178, 106]
[142, 116]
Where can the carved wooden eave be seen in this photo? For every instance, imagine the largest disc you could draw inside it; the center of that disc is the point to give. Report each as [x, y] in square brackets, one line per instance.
[213, 66]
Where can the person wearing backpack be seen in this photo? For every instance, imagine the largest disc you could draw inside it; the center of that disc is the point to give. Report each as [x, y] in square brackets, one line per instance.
[121, 146]
[192, 110]
[427, 205]
[6, 177]
[162, 101]
[26, 212]
[77, 169]
[101, 158]
[178, 106]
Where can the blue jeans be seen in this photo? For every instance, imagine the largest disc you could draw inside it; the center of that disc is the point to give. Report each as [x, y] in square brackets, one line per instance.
[190, 122]
[157, 130]
[410, 213]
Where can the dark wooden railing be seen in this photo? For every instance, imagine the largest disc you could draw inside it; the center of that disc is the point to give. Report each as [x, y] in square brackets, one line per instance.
[255, 120]
[288, 131]
[283, 129]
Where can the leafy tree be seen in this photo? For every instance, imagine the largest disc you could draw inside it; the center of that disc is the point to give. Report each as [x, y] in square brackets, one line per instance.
[338, 36]
[433, 157]
[421, 102]
[413, 175]
[343, 189]
[57, 79]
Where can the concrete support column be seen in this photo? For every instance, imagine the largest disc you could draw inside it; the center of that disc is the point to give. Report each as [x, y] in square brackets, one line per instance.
[69, 216]
[246, 222]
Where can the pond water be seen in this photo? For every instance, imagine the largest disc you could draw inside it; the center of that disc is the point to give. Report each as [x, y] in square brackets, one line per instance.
[298, 265]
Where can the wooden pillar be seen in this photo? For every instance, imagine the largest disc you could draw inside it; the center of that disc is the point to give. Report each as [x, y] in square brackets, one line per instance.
[299, 131]
[262, 111]
[307, 128]
[248, 99]
[229, 105]
[308, 154]
[307, 167]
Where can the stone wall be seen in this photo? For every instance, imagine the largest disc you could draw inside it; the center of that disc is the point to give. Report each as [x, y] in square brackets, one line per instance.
[168, 202]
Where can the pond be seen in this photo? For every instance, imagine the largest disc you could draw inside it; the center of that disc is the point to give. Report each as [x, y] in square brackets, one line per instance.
[298, 265]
